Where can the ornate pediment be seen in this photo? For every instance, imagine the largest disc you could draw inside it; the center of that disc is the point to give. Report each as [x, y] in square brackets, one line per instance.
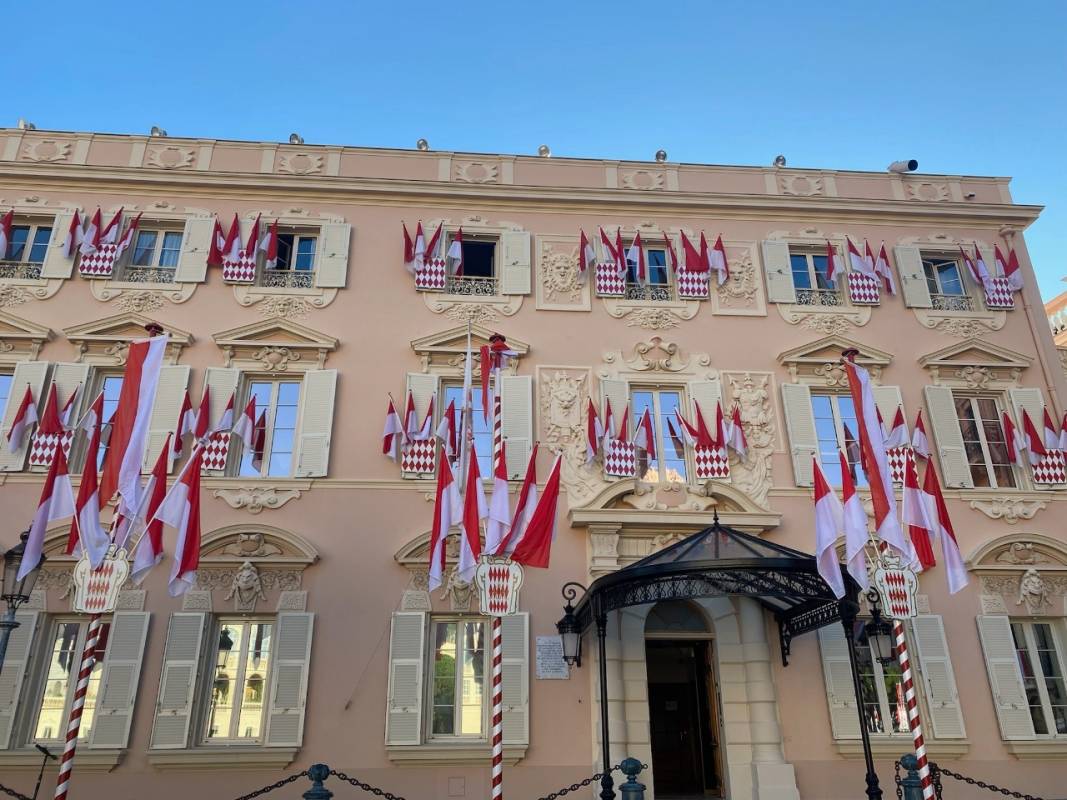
[106, 341]
[1020, 551]
[414, 556]
[20, 339]
[445, 351]
[1022, 573]
[275, 345]
[976, 364]
[822, 359]
[657, 355]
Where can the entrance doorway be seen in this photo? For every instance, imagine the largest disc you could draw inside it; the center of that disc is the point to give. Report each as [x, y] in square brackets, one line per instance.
[683, 718]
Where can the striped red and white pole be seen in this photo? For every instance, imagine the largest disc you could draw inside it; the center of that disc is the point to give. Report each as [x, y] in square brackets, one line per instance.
[498, 434]
[913, 709]
[66, 761]
[497, 773]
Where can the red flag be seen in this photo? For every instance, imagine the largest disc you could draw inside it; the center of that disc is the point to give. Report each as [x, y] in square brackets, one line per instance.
[691, 258]
[1052, 436]
[420, 245]
[203, 420]
[218, 239]
[621, 251]
[594, 433]
[411, 421]
[833, 264]
[186, 425]
[246, 424]
[269, 245]
[259, 441]
[676, 439]
[704, 437]
[1013, 440]
[127, 236]
[110, 233]
[1033, 440]
[881, 266]
[586, 257]
[898, 436]
[672, 256]
[74, 236]
[231, 245]
[5, 232]
[735, 435]
[446, 511]
[252, 243]
[91, 238]
[409, 250]
[535, 548]
[446, 431]
[636, 255]
[644, 437]
[524, 509]
[828, 525]
[181, 510]
[856, 261]
[610, 253]
[149, 549]
[432, 245]
[1013, 272]
[50, 424]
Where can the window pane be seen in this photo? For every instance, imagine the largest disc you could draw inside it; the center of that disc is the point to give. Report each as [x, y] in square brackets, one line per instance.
[850, 437]
[285, 250]
[473, 680]
[5, 388]
[801, 274]
[483, 428]
[112, 387]
[1030, 680]
[656, 261]
[671, 449]
[224, 701]
[818, 263]
[16, 247]
[305, 253]
[873, 711]
[444, 679]
[257, 661]
[40, 244]
[62, 664]
[285, 417]
[647, 468]
[93, 687]
[949, 277]
[144, 248]
[172, 246]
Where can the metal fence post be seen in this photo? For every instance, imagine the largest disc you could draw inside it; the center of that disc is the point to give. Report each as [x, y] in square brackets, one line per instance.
[911, 784]
[317, 774]
[631, 789]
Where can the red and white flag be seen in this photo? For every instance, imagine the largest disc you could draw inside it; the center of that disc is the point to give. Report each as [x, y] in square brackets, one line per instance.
[693, 260]
[259, 441]
[68, 408]
[635, 256]
[181, 510]
[50, 424]
[870, 260]
[672, 255]
[624, 426]
[186, 425]
[881, 266]
[735, 435]
[608, 426]
[872, 448]
[1034, 444]
[1063, 433]
[420, 246]
[269, 245]
[455, 254]
[720, 427]
[1000, 264]
[955, 570]
[127, 237]
[1013, 272]
[852, 450]
[245, 428]
[645, 437]
[434, 245]
[110, 232]
[677, 443]
[855, 527]
[687, 431]
[203, 421]
[425, 430]
[393, 433]
[218, 241]
[56, 503]
[85, 530]
[535, 547]
[5, 232]
[524, 509]
[610, 254]
[231, 245]
[411, 420]
[225, 422]
[73, 239]
[856, 261]
[148, 551]
[919, 443]
[129, 426]
[447, 431]
[834, 267]
[496, 528]
[980, 264]
[474, 511]
[409, 250]
[829, 522]
[1014, 441]
[252, 242]
[914, 514]
[898, 434]
[977, 268]
[703, 433]
[621, 260]
[90, 241]
[25, 418]
[586, 258]
[447, 510]
[1052, 435]
[716, 258]
[594, 433]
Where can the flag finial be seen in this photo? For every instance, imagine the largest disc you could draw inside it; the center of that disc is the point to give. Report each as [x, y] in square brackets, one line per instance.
[154, 329]
[850, 354]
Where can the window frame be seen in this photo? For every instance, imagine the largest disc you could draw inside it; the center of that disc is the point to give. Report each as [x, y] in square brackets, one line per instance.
[485, 469]
[237, 446]
[475, 285]
[861, 479]
[33, 229]
[815, 277]
[161, 231]
[206, 676]
[684, 403]
[878, 674]
[9, 374]
[431, 649]
[967, 300]
[1055, 633]
[289, 277]
[98, 376]
[664, 292]
[979, 423]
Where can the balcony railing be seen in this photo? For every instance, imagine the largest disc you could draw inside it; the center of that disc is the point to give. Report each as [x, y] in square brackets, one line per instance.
[474, 287]
[655, 292]
[287, 279]
[952, 302]
[818, 297]
[135, 274]
[22, 270]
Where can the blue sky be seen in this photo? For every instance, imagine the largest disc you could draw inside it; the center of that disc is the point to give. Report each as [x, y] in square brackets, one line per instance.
[975, 88]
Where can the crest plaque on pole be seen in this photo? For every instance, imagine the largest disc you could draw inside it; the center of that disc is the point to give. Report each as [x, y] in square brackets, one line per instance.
[897, 586]
[96, 591]
[498, 580]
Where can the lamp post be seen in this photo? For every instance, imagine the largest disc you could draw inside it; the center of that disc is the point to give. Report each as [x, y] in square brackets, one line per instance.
[570, 633]
[15, 591]
[849, 609]
[879, 632]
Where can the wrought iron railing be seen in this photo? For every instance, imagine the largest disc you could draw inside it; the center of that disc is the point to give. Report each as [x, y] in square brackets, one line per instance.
[287, 279]
[23, 270]
[655, 292]
[478, 287]
[818, 297]
[952, 302]
[135, 274]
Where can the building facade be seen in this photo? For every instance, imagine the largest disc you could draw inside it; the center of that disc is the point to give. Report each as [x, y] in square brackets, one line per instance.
[311, 635]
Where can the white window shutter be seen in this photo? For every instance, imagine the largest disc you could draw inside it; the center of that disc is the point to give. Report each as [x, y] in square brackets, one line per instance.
[118, 683]
[177, 684]
[888, 399]
[1005, 677]
[515, 677]
[403, 721]
[515, 275]
[27, 373]
[618, 392]
[516, 421]
[221, 383]
[840, 691]
[800, 425]
[1033, 403]
[332, 270]
[913, 285]
[57, 265]
[939, 679]
[289, 679]
[948, 438]
[422, 387]
[67, 378]
[173, 382]
[779, 272]
[196, 244]
[316, 423]
[19, 648]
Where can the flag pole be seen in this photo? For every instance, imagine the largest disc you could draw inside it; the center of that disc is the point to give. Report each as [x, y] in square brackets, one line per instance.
[913, 710]
[70, 745]
[497, 770]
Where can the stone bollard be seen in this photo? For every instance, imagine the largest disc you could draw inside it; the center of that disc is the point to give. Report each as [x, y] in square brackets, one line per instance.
[631, 789]
[911, 784]
[317, 774]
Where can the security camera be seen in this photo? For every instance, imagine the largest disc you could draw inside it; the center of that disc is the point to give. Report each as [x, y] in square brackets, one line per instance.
[908, 165]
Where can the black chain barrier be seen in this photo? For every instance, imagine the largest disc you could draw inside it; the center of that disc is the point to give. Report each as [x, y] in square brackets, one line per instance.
[13, 793]
[271, 787]
[365, 786]
[936, 772]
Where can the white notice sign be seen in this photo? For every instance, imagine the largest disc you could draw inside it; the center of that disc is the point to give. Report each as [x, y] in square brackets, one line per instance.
[550, 663]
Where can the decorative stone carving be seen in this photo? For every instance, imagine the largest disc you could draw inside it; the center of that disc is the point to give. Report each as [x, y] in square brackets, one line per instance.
[300, 164]
[1022, 553]
[458, 591]
[973, 327]
[655, 355]
[993, 604]
[801, 185]
[1011, 510]
[197, 600]
[256, 499]
[975, 377]
[171, 157]
[285, 307]
[653, 319]
[292, 601]
[134, 298]
[475, 172]
[47, 151]
[59, 579]
[249, 545]
[751, 393]
[643, 179]
[833, 374]
[559, 276]
[140, 302]
[276, 359]
[131, 600]
[825, 323]
[282, 579]
[927, 191]
[13, 296]
[667, 539]
[246, 588]
[1033, 591]
[742, 288]
[416, 596]
[474, 313]
[561, 406]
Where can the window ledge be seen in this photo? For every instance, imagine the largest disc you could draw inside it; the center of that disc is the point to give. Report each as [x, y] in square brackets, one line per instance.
[896, 747]
[433, 755]
[1041, 749]
[223, 758]
[86, 759]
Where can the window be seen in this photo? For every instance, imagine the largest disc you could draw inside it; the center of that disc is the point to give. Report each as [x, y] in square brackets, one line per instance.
[669, 466]
[1041, 664]
[884, 707]
[479, 266]
[809, 279]
[481, 426]
[836, 429]
[658, 286]
[157, 249]
[944, 278]
[983, 442]
[5, 388]
[25, 251]
[280, 401]
[241, 666]
[66, 642]
[295, 267]
[458, 690]
[111, 386]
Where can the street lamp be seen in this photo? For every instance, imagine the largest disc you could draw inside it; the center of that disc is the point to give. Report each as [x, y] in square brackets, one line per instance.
[570, 633]
[15, 591]
[879, 632]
